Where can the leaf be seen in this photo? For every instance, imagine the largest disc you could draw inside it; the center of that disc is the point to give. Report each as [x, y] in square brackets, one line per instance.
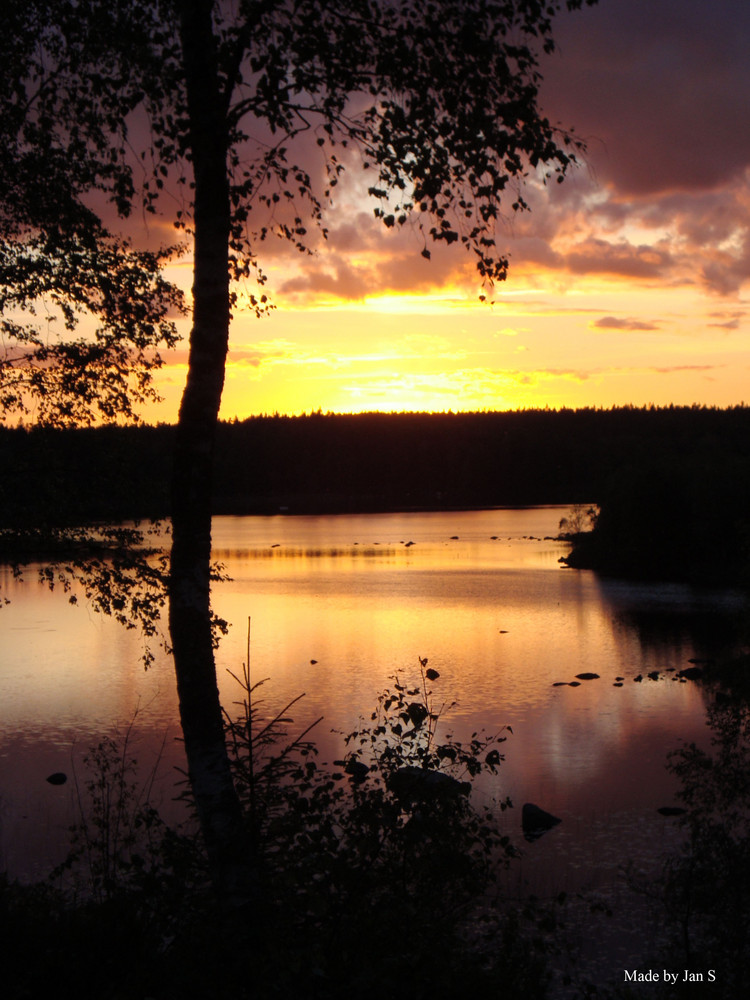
[416, 713]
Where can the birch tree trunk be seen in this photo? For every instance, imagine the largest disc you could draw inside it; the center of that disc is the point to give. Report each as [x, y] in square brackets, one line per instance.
[189, 598]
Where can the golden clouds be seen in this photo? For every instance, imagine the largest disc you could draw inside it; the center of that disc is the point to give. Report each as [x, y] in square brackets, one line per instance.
[628, 283]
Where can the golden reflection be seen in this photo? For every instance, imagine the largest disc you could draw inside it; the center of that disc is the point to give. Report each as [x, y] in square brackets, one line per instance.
[284, 552]
[341, 604]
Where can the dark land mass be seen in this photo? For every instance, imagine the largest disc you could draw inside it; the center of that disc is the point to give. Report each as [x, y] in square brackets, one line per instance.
[673, 483]
[673, 488]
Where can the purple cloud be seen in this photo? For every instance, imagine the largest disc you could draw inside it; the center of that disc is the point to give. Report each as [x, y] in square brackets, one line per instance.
[622, 323]
[657, 89]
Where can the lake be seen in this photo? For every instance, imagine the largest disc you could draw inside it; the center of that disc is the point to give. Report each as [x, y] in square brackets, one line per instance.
[339, 604]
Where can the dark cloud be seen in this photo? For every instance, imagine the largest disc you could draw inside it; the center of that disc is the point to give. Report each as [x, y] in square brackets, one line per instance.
[356, 232]
[598, 256]
[374, 267]
[658, 89]
[623, 323]
[334, 277]
[534, 250]
[672, 369]
[535, 376]
[263, 351]
[726, 319]
[725, 274]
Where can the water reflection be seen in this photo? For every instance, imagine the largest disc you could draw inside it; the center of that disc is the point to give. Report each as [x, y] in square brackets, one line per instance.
[669, 616]
[339, 604]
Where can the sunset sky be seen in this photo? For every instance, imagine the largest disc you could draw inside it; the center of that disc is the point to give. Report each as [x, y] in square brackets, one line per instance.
[627, 284]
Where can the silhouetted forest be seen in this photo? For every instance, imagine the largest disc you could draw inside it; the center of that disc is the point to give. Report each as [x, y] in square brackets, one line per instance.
[667, 479]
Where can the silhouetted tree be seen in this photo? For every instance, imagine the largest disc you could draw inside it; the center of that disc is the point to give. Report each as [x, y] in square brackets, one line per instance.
[82, 312]
[206, 110]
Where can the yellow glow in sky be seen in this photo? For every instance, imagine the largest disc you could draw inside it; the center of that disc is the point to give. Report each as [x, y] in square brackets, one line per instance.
[627, 283]
[589, 344]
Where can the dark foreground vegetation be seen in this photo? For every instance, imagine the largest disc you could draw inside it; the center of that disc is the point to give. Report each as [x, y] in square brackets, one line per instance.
[678, 508]
[377, 877]
[673, 484]
[377, 874]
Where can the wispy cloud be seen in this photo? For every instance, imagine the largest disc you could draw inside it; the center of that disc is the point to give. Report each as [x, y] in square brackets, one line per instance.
[647, 241]
[727, 319]
[623, 323]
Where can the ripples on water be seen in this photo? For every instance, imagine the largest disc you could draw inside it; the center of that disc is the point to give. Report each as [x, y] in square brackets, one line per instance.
[340, 604]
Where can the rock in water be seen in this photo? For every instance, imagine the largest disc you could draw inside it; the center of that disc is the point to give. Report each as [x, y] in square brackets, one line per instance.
[691, 673]
[535, 821]
[58, 778]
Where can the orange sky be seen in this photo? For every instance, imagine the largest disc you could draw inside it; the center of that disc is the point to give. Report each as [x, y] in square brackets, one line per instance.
[628, 283]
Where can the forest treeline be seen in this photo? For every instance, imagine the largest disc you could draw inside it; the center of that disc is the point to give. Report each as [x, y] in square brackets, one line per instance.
[374, 461]
[669, 481]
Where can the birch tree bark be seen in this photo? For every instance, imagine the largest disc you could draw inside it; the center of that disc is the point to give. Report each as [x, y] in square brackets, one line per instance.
[190, 585]
[267, 102]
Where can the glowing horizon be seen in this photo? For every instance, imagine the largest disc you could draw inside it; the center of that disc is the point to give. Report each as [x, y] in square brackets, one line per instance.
[599, 345]
[627, 284]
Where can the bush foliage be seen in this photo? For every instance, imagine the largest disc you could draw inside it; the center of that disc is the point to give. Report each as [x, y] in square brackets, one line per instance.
[376, 873]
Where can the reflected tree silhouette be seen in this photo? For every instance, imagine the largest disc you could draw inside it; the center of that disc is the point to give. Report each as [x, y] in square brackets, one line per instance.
[704, 890]
[206, 113]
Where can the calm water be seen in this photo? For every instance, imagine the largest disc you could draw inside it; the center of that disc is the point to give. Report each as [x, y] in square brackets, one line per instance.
[338, 605]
